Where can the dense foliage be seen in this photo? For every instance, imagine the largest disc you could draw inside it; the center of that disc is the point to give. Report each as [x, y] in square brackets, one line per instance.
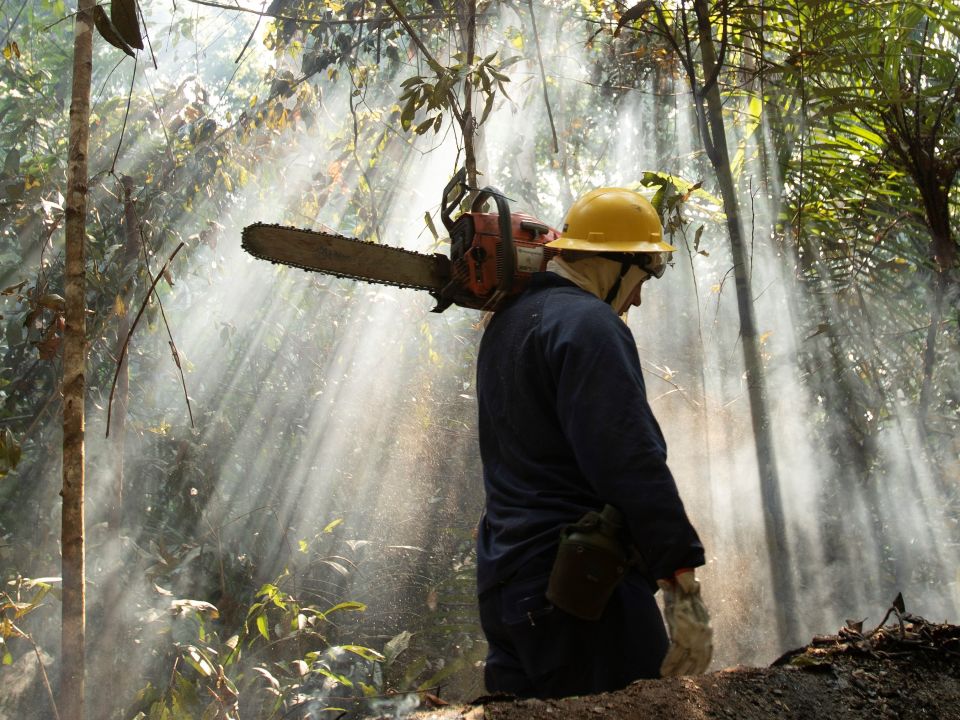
[843, 121]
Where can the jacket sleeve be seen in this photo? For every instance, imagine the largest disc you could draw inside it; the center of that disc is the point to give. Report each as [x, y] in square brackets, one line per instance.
[603, 410]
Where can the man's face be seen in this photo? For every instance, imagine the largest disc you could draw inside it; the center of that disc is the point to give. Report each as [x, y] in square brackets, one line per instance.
[632, 299]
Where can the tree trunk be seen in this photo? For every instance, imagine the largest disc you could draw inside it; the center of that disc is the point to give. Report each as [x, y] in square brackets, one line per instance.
[715, 140]
[938, 292]
[74, 353]
[943, 249]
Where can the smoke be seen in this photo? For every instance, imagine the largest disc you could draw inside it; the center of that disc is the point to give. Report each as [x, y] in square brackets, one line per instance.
[318, 399]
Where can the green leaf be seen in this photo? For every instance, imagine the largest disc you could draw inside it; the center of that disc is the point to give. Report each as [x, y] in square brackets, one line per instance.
[484, 80]
[487, 107]
[330, 526]
[364, 652]
[409, 110]
[396, 645]
[41, 582]
[755, 109]
[262, 626]
[430, 226]
[868, 135]
[411, 81]
[349, 605]
[11, 166]
[342, 679]
[266, 591]
[7, 658]
[197, 660]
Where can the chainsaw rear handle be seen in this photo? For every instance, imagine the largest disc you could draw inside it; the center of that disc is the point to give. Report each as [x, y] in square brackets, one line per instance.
[506, 255]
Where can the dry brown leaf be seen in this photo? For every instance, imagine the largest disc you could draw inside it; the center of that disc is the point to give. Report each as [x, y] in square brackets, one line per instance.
[109, 32]
[123, 13]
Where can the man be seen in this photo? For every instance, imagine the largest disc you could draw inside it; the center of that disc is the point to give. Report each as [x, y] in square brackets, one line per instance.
[565, 430]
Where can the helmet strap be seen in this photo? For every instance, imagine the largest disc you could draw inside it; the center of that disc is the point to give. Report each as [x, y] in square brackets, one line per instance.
[624, 269]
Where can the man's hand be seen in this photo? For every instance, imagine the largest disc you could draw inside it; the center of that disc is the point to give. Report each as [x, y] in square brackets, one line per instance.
[691, 637]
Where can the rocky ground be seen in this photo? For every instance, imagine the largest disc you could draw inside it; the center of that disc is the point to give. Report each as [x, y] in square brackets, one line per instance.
[908, 670]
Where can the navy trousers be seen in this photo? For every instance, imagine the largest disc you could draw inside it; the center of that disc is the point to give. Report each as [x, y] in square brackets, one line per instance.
[537, 650]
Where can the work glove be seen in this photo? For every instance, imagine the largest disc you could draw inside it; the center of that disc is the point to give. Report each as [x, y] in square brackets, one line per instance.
[691, 637]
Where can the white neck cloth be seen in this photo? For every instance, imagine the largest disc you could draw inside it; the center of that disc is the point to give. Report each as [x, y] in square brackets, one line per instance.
[597, 275]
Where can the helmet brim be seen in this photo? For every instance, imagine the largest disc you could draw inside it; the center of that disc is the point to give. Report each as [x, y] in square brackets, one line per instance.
[634, 246]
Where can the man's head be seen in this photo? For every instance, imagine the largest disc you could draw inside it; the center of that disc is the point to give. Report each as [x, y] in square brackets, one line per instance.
[621, 230]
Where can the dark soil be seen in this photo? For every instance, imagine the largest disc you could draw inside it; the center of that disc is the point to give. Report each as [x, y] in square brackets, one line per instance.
[909, 671]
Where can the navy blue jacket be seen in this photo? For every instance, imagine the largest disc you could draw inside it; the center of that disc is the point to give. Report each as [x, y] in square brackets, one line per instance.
[565, 428]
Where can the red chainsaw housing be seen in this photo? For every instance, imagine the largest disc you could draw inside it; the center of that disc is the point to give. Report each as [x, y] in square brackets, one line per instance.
[479, 259]
[492, 255]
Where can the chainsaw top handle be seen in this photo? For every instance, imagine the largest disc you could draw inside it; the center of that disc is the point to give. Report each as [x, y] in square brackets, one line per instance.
[453, 194]
[506, 257]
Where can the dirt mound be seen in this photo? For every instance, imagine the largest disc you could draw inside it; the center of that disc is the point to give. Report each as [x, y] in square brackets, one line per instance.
[907, 670]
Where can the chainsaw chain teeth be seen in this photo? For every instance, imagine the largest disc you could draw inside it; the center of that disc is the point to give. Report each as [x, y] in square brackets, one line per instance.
[243, 244]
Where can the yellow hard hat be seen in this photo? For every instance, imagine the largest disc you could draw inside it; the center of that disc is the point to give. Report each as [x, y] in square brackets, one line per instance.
[612, 220]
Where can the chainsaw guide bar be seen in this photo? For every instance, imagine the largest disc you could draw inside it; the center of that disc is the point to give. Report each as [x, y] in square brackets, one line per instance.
[344, 257]
[492, 255]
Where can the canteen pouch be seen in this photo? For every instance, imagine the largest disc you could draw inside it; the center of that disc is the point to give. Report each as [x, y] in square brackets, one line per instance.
[591, 561]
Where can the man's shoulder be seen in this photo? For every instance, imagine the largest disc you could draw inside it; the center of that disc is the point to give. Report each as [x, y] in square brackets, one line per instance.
[554, 304]
[572, 307]
[562, 295]
[544, 288]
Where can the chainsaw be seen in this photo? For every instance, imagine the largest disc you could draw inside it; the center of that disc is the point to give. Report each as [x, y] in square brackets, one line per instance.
[492, 255]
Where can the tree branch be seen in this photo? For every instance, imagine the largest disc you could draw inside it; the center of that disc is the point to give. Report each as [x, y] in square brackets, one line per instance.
[13, 25]
[247, 43]
[403, 20]
[543, 77]
[434, 64]
[126, 114]
[166, 325]
[133, 327]
[317, 21]
[143, 24]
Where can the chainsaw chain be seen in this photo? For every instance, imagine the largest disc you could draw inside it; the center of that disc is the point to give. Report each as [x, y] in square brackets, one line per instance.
[277, 226]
